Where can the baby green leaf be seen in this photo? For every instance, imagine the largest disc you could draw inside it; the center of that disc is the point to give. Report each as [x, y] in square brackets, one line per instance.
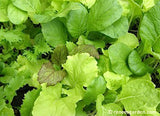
[54, 32]
[81, 69]
[107, 109]
[136, 65]
[15, 15]
[117, 29]
[98, 86]
[139, 94]
[77, 21]
[101, 16]
[118, 54]
[59, 55]
[48, 75]
[115, 81]
[86, 49]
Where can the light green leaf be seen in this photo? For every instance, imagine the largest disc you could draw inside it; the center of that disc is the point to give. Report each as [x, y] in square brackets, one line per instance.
[28, 102]
[129, 39]
[88, 3]
[107, 109]
[81, 69]
[149, 30]
[117, 29]
[147, 4]
[70, 46]
[136, 65]
[97, 43]
[77, 21]
[101, 16]
[103, 64]
[3, 10]
[7, 112]
[118, 54]
[50, 103]
[15, 15]
[115, 81]
[28, 5]
[54, 32]
[131, 9]
[14, 84]
[141, 94]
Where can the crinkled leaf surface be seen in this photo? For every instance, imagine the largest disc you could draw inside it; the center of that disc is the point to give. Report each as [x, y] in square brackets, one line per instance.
[81, 69]
[115, 81]
[139, 94]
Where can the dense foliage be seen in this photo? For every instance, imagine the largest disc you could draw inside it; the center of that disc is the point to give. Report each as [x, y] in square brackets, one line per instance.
[79, 57]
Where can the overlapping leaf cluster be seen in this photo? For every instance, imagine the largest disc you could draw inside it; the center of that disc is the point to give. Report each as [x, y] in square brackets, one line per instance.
[81, 57]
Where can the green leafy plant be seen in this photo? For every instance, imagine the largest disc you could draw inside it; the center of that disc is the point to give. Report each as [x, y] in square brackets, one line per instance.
[79, 57]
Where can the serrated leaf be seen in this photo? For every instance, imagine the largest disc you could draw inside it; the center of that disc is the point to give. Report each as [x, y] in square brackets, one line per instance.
[59, 55]
[28, 102]
[48, 75]
[86, 49]
[14, 84]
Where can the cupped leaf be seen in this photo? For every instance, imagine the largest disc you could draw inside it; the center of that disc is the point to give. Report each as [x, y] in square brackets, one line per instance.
[98, 86]
[101, 16]
[90, 49]
[81, 69]
[118, 54]
[139, 95]
[136, 65]
[59, 55]
[54, 32]
[15, 15]
[77, 21]
[48, 75]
